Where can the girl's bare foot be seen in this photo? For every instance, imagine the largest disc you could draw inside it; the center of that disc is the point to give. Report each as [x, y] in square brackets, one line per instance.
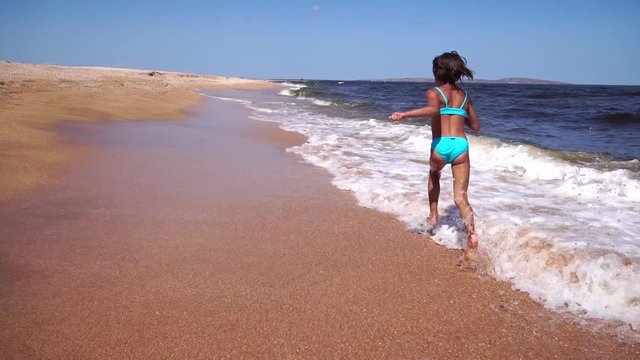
[472, 241]
[433, 220]
[472, 246]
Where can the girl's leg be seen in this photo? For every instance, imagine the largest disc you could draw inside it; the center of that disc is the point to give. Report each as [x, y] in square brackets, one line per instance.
[435, 166]
[461, 168]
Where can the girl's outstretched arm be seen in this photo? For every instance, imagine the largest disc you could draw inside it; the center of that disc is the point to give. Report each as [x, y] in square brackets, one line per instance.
[472, 121]
[432, 108]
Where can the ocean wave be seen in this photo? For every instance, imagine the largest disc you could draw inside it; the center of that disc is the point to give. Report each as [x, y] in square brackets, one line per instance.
[300, 91]
[292, 89]
[288, 84]
[320, 102]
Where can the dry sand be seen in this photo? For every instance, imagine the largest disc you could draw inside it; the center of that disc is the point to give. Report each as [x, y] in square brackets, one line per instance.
[34, 98]
[204, 239]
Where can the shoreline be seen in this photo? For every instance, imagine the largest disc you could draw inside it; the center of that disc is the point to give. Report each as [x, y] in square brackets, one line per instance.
[624, 329]
[35, 98]
[214, 241]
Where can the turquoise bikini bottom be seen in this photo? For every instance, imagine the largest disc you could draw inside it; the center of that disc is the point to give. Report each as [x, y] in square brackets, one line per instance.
[450, 148]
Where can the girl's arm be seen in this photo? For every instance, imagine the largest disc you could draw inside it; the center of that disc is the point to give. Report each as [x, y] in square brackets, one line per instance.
[472, 121]
[432, 108]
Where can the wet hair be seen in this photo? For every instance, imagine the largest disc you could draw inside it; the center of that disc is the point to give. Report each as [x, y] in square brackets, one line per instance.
[450, 67]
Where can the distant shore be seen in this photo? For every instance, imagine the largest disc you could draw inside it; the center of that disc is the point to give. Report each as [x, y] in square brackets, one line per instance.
[513, 80]
[34, 98]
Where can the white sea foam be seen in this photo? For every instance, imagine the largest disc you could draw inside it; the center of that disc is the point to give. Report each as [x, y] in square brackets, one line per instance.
[291, 85]
[244, 102]
[289, 88]
[321, 102]
[566, 234]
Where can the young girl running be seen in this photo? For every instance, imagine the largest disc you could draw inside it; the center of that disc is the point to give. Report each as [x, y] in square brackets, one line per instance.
[450, 109]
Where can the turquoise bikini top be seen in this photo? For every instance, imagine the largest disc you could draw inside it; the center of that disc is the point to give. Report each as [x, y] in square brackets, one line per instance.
[446, 110]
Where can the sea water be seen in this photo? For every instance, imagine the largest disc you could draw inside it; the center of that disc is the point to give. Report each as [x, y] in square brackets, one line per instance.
[555, 177]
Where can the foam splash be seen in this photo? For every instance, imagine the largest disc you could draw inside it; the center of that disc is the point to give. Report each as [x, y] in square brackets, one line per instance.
[290, 89]
[294, 90]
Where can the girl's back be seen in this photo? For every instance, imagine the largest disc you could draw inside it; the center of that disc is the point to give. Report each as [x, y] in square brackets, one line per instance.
[450, 109]
[454, 99]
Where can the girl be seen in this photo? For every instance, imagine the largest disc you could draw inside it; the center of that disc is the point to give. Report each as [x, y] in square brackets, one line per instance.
[450, 108]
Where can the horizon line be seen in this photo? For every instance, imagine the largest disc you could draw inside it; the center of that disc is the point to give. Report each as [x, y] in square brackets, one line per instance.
[503, 80]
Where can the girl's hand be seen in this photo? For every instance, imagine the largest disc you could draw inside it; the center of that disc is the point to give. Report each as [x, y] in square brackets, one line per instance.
[396, 116]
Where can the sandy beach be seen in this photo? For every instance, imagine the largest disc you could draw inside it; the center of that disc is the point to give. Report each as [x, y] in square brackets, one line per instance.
[34, 98]
[199, 237]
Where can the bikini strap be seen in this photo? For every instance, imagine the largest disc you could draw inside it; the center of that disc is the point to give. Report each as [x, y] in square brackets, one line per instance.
[465, 100]
[446, 102]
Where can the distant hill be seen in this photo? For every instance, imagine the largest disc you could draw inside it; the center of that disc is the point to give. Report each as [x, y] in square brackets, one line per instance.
[512, 80]
[522, 80]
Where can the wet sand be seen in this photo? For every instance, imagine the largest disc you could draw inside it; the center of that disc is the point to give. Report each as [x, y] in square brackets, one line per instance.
[204, 239]
[35, 98]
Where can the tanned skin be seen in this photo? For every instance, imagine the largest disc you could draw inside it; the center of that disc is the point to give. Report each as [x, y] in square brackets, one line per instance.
[449, 126]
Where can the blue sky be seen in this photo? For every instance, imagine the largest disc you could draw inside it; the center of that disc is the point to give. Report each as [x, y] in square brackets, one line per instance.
[585, 42]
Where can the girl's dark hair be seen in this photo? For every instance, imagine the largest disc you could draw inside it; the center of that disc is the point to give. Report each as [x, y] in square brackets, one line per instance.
[449, 67]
